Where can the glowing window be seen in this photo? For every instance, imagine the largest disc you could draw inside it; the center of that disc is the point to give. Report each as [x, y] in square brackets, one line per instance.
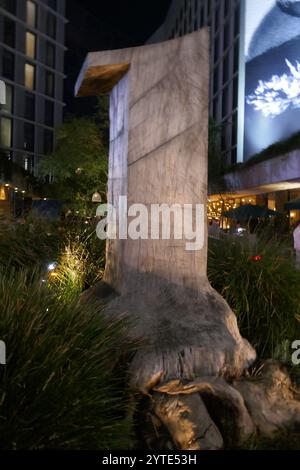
[6, 132]
[31, 13]
[30, 45]
[29, 76]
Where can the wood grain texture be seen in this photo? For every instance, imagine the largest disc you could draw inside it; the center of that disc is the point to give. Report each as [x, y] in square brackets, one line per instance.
[158, 143]
[158, 154]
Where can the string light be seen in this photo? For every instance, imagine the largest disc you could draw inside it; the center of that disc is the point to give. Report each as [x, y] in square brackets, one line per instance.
[216, 207]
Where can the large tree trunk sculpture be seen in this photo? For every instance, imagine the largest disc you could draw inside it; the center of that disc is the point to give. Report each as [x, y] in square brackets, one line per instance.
[158, 155]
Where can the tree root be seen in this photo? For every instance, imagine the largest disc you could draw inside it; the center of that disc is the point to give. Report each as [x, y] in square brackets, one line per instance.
[209, 413]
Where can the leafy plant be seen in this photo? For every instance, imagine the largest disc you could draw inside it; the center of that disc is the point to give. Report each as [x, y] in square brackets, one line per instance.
[31, 244]
[261, 284]
[64, 383]
[78, 164]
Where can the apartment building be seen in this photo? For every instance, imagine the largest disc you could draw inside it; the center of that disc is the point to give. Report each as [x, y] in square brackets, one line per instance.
[254, 94]
[32, 35]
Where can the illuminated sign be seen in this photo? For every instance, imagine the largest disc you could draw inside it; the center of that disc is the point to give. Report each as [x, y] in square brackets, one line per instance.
[272, 72]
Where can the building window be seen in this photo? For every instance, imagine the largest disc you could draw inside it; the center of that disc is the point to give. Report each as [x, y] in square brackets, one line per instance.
[6, 132]
[234, 130]
[9, 32]
[237, 21]
[215, 107]
[29, 137]
[29, 76]
[217, 19]
[51, 25]
[226, 68]
[49, 84]
[50, 55]
[29, 110]
[225, 102]
[30, 45]
[8, 106]
[235, 93]
[236, 57]
[52, 4]
[9, 5]
[31, 13]
[27, 163]
[49, 113]
[48, 141]
[208, 9]
[8, 65]
[216, 80]
[216, 48]
[226, 35]
[226, 7]
[202, 17]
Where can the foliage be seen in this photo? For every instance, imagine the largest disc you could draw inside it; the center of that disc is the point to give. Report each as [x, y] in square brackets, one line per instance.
[34, 243]
[81, 261]
[264, 293]
[73, 245]
[63, 385]
[275, 150]
[78, 164]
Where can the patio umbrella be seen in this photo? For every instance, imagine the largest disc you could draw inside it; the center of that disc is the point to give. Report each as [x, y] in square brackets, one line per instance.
[294, 204]
[250, 211]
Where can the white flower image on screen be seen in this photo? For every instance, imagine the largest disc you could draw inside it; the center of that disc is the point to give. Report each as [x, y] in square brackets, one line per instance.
[274, 96]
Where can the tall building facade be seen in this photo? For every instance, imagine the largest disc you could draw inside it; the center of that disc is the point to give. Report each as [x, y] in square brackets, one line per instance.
[32, 38]
[254, 94]
[223, 18]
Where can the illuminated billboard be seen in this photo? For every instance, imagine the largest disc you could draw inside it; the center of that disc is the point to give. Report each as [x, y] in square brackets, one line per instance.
[272, 72]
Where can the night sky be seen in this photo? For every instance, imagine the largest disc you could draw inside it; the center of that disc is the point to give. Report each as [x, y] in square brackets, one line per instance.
[136, 19]
[104, 24]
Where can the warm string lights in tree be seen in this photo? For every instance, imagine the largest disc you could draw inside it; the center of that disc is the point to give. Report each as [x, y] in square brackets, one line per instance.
[216, 207]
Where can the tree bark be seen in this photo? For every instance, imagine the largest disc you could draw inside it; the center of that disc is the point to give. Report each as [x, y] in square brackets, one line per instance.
[158, 155]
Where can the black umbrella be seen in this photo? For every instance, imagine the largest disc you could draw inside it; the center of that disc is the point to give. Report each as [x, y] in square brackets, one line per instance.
[294, 204]
[250, 211]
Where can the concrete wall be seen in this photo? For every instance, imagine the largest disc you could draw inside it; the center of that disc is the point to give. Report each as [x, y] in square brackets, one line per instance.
[276, 171]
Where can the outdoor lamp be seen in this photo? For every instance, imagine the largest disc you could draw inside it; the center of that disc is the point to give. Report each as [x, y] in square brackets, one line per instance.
[96, 197]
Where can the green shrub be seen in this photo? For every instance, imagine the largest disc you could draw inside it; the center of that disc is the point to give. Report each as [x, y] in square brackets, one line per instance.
[63, 386]
[31, 244]
[81, 241]
[264, 293]
[74, 245]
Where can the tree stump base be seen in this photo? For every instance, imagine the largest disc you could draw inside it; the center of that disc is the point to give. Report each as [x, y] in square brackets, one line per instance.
[209, 413]
[193, 366]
